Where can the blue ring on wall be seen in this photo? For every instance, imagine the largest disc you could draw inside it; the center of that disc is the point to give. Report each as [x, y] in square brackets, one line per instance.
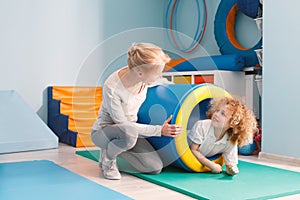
[225, 35]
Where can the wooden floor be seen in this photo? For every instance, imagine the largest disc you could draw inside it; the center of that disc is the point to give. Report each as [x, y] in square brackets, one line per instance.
[129, 185]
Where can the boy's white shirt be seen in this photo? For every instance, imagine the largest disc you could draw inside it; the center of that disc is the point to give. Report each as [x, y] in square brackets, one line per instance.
[119, 106]
[203, 133]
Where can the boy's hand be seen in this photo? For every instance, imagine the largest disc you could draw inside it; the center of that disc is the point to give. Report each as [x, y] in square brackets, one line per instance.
[216, 168]
[232, 170]
[170, 130]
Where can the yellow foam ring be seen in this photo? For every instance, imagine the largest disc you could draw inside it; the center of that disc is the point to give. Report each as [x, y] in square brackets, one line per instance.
[195, 97]
[230, 21]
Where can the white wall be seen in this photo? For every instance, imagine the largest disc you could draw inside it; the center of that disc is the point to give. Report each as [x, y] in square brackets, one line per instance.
[69, 42]
[125, 22]
[43, 42]
[281, 96]
[80, 42]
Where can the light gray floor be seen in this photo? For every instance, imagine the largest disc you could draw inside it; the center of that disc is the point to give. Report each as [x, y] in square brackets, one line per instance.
[129, 185]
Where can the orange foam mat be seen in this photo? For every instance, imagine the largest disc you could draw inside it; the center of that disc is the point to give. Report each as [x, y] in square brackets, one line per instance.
[81, 104]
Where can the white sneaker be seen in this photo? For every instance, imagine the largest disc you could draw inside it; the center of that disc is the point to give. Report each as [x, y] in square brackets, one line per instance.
[110, 169]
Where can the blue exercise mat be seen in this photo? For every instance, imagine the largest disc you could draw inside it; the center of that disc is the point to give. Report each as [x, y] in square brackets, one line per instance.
[43, 180]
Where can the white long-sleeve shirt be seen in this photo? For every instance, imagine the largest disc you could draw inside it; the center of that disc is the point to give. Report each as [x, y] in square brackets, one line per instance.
[120, 106]
[203, 133]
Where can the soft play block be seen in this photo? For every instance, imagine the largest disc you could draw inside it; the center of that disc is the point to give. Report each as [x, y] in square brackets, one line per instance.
[21, 129]
[72, 110]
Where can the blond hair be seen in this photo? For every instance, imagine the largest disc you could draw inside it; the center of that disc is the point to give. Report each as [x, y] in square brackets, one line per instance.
[242, 121]
[147, 56]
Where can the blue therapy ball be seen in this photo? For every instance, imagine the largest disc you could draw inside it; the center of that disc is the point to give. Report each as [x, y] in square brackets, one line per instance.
[247, 149]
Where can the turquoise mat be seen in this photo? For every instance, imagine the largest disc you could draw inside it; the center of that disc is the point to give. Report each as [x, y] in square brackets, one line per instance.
[253, 182]
[44, 180]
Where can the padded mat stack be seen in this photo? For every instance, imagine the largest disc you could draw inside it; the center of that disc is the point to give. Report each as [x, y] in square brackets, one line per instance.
[72, 111]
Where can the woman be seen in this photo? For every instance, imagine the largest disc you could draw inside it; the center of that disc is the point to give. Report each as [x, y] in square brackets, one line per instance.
[116, 130]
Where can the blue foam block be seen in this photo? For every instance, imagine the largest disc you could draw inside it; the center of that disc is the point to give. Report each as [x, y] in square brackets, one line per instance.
[232, 62]
[21, 129]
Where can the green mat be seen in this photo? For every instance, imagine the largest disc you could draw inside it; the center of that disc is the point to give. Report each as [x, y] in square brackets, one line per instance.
[253, 182]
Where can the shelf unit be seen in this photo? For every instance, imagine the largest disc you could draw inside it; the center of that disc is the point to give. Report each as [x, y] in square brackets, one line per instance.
[235, 82]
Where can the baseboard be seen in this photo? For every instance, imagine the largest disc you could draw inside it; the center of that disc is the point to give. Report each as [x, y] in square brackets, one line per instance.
[279, 158]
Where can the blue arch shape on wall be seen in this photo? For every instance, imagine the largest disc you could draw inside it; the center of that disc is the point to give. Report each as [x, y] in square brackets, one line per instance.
[225, 37]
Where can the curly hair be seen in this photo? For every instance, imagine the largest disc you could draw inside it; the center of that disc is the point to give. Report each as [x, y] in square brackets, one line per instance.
[242, 121]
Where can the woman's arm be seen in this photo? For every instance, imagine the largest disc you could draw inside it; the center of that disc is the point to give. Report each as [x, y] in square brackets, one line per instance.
[114, 105]
[215, 168]
[166, 129]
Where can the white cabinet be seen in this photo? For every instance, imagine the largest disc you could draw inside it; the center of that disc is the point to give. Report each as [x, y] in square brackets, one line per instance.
[235, 82]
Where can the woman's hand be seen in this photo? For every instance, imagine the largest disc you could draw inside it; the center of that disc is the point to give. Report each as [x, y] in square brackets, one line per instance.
[170, 130]
[216, 168]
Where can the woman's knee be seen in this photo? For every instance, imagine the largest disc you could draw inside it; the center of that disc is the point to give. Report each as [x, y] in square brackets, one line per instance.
[123, 135]
[130, 135]
[129, 141]
[99, 139]
[156, 169]
[153, 165]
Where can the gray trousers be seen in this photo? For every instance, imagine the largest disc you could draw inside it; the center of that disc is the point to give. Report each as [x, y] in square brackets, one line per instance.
[123, 140]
